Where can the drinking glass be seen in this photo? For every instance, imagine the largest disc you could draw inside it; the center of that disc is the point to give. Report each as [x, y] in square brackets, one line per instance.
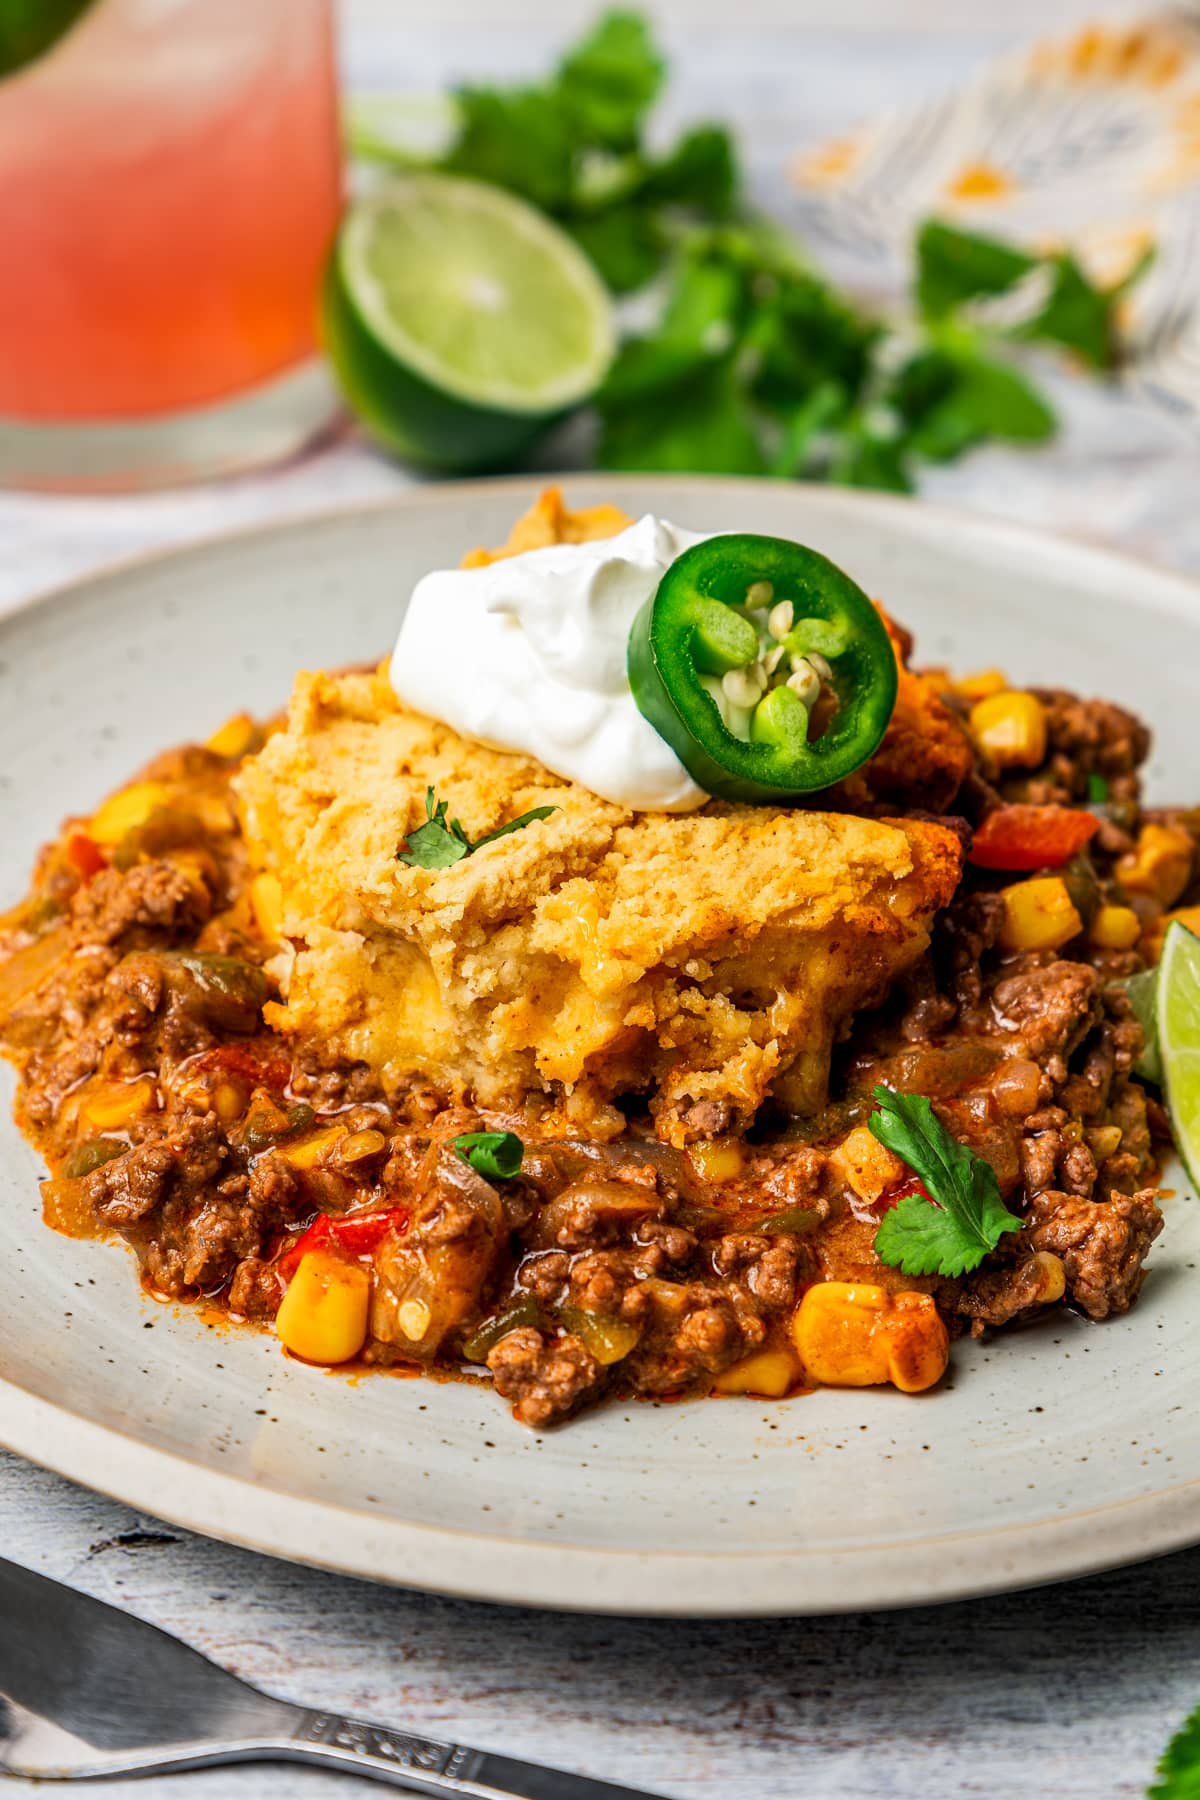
[170, 180]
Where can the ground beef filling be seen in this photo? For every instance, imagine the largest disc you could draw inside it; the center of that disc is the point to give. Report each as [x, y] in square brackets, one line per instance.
[132, 984]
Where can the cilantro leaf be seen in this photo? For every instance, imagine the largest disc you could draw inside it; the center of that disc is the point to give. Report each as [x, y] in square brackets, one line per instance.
[646, 368]
[518, 138]
[867, 458]
[1179, 1764]
[955, 266]
[611, 79]
[802, 430]
[703, 422]
[527, 818]
[438, 843]
[954, 398]
[441, 842]
[700, 173]
[496, 1154]
[807, 335]
[706, 303]
[1076, 315]
[967, 1217]
[1080, 316]
[624, 242]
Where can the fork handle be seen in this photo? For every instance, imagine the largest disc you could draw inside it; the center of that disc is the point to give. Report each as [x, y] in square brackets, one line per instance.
[425, 1766]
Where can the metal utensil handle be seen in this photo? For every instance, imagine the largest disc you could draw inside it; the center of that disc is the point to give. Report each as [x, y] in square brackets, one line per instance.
[425, 1766]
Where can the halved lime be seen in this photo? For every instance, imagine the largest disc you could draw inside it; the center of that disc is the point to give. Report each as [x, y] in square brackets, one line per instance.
[461, 321]
[1179, 1040]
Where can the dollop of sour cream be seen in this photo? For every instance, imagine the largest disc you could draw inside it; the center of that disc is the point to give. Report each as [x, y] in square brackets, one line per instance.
[528, 654]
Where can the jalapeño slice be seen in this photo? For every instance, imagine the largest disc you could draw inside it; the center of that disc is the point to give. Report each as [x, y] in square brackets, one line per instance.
[766, 669]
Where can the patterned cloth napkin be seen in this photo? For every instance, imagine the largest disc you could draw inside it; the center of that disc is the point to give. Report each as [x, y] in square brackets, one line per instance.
[1091, 141]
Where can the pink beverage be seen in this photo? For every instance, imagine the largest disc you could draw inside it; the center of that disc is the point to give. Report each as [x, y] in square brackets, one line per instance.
[170, 180]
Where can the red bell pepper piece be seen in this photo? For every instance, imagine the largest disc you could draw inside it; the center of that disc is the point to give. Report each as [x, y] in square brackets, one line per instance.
[912, 1184]
[1031, 837]
[358, 1234]
[85, 855]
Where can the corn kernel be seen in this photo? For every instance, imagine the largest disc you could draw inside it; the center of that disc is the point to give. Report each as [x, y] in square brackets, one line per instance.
[114, 1104]
[1010, 729]
[1052, 1277]
[1039, 915]
[853, 1334]
[413, 1318]
[1115, 928]
[266, 901]
[214, 814]
[866, 1165]
[123, 812]
[323, 1316]
[235, 737]
[768, 1372]
[308, 1151]
[1161, 866]
[982, 685]
[722, 1159]
[1104, 1141]
[229, 1101]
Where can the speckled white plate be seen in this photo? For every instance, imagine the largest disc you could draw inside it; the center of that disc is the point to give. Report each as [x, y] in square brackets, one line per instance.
[1050, 1453]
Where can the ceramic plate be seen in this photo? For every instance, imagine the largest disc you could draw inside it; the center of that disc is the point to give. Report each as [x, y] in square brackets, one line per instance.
[1052, 1452]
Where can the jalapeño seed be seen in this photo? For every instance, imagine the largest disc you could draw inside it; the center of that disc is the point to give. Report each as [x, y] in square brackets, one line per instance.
[781, 619]
[804, 681]
[742, 687]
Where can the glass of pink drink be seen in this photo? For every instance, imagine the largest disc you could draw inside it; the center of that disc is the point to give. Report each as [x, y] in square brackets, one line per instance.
[170, 181]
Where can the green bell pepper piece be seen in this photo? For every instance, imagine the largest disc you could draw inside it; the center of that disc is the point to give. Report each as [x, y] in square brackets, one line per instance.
[681, 636]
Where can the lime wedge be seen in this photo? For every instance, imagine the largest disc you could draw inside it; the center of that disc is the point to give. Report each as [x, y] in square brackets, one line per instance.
[460, 321]
[1179, 1039]
[1143, 999]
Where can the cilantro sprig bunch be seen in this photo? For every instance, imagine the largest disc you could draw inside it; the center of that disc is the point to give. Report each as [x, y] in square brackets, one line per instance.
[755, 363]
[758, 365]
[575, 145]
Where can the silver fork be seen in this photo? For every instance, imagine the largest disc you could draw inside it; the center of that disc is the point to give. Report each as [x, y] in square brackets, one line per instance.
[87, 1690]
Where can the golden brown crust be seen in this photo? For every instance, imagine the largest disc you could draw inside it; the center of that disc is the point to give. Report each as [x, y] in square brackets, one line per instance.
[925, 755]
[551, 521]
[705, 958]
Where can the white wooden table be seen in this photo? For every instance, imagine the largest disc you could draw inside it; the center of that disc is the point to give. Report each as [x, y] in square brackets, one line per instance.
[1068, 1691]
